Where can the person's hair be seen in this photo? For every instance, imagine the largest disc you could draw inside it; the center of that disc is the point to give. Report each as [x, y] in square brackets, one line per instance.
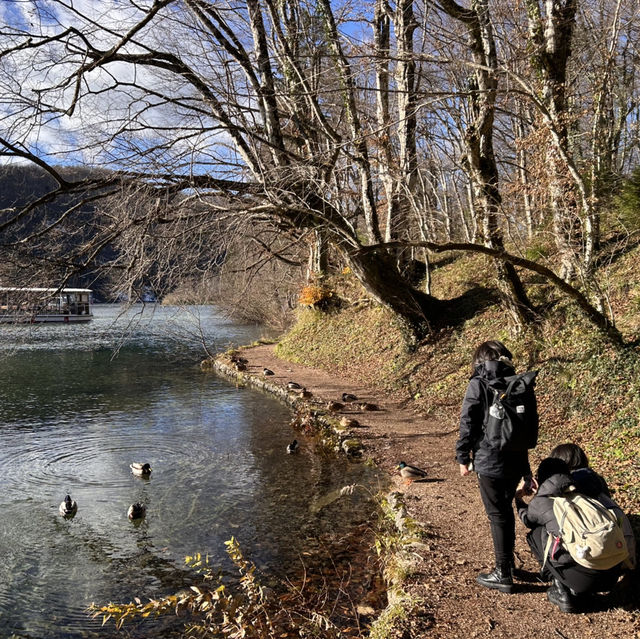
[490, 351]
[551, 466]
[572, 454]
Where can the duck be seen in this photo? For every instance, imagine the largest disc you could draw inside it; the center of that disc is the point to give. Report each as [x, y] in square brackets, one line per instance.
[347, 422]
[140, 469]
[267, 372]
[293, 447]
[348, 397]
[410, 473]
[367, 406]
[69, 507]
[137, 511]
[294, 386]
[334, 406]
[300, 390]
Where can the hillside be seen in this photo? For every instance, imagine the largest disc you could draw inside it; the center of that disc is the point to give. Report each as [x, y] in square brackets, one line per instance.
[20, 185]
[588, 394]
[588, 389]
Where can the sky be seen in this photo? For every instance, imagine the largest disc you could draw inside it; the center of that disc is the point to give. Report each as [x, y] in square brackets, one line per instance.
[36, 92]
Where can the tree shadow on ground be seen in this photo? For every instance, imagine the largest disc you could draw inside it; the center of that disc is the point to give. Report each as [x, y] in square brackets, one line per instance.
[626, 594]
[615, 247]
[456, 311]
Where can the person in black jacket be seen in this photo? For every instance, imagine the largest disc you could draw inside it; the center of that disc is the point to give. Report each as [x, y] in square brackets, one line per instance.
[571, 581]
[499, 472]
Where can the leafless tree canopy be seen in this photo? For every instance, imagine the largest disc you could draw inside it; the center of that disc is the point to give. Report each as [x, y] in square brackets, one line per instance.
[287, 125]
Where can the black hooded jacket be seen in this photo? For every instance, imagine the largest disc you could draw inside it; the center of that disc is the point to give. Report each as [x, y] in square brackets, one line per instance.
[539, 512]
[589, 483]
[486, 461]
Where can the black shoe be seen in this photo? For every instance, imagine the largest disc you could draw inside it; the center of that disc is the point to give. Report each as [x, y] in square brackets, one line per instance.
[500, 579]
[559, 596]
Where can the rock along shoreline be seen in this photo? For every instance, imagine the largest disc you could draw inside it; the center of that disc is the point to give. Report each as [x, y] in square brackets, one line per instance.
[330, 429]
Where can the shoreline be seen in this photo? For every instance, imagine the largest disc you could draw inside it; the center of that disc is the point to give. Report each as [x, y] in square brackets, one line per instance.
[431, 587]
[405, 537]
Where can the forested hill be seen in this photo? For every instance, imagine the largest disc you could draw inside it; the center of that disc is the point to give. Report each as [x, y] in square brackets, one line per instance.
[21, 185]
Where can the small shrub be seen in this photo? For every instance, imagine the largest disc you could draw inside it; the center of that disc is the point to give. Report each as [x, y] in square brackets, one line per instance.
[246, 610]
[315, 296]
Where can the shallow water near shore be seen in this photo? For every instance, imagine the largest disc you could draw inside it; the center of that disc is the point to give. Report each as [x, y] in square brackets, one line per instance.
[80, 403]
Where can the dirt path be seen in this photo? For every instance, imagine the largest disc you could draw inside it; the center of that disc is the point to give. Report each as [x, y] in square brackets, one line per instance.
[449, 507]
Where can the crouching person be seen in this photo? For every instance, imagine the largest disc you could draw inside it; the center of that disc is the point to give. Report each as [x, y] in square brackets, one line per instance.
[572, 580]
[588, 482]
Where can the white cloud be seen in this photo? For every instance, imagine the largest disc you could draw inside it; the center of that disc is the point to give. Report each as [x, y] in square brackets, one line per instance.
[117, 115]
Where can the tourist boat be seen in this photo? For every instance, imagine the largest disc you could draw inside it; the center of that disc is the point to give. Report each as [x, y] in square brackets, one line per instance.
[34, 305]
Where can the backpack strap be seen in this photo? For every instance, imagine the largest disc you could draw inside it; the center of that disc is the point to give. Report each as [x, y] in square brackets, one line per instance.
[526, 378]
[550, 548]
[602, 508]
[489, 399]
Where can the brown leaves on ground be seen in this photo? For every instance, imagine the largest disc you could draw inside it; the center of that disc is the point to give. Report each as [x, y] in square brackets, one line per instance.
[444, 571]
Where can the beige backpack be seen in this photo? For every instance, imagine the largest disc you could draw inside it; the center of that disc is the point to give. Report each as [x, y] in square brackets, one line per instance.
[590, 532]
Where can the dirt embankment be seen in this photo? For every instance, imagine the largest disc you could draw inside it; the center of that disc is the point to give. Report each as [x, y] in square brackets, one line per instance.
[449, 509]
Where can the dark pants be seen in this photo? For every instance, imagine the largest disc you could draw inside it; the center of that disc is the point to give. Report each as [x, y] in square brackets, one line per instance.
[497, 497]
[577, 578]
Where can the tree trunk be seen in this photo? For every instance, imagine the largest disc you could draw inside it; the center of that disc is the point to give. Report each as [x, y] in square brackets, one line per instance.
[552, 48]
[380, 277]
[481, 162]
[382, 43]
[318, 257]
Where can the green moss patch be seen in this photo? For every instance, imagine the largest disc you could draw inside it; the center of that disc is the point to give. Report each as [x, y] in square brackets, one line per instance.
[367, 343]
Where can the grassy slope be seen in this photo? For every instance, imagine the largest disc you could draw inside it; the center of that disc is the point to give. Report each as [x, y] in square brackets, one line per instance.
[588, 391]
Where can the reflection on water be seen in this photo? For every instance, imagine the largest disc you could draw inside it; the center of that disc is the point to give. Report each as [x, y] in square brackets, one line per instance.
[73, 417]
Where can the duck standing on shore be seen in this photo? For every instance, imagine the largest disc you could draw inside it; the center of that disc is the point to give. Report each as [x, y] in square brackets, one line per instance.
[410, 473]
[294, 386]
[267, 372]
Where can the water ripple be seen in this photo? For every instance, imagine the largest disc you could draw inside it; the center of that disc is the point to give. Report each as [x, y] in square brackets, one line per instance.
[73, 419]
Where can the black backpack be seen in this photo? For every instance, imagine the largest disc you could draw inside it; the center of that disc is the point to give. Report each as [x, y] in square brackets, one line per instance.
[511, 421]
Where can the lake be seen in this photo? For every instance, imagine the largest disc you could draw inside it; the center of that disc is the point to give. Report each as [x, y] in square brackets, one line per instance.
[79, 403]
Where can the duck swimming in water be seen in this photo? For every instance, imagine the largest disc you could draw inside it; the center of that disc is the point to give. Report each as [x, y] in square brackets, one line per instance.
[293, 447]
[410, 473]
[139, 469]
[69, 507]
[136, 511]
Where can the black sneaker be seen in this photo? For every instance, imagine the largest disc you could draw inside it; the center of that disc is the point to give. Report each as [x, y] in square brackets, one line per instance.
[500, 579]
[559, 596]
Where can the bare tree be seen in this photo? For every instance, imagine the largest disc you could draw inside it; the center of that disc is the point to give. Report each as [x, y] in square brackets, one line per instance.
[271, 124]
[480, 157]
[202, 101]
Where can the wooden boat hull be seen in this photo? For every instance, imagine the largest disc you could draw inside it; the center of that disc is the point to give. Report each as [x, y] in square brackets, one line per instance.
[44, 319]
